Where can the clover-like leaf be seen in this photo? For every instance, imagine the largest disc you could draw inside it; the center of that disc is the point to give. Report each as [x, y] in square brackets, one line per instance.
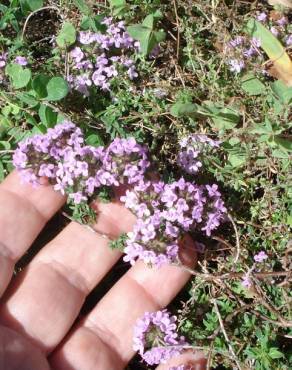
[67, 35]
[19, 76]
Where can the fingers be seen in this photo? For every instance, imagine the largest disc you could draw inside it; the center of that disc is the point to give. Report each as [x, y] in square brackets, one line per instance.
[191, 361]
[18, 353]
[7, 267]
[46, 298]
[23, 213]
[109, 327]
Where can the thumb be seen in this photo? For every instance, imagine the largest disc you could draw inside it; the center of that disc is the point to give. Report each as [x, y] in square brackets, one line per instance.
[187, 361]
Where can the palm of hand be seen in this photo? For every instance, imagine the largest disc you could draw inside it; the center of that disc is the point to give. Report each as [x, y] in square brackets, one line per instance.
[41, 304]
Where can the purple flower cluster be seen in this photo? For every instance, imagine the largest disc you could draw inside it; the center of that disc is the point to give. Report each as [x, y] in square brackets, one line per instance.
[3, 59]
[156, 338]
[21, 60]
[245, 50]
[193, 149]
[100, 57]
[165, 212]
[75, 168]
[18, 60]
[258, 258]
[246, 282]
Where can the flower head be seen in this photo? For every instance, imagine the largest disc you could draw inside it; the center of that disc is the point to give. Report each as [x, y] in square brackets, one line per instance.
[236, 65]
[157, 331]
[102, 56]
[246, 282]
[21, 60]
[262, 17]
[193, 149]
[3, 59]
[260, 257]
[165, 213]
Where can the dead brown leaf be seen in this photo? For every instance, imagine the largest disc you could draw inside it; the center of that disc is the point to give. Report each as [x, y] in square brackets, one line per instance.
[275, 72]
[275, 16]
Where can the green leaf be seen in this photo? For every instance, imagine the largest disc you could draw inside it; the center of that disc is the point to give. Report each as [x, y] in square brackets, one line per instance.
[119, 243]
[277, 153]
[283, 143]
[5, 124]
[39, 84]
[60, 118]
[19, 76]
[67, 35]
[146, 34]
[28, 98]
[6, 110]
[226, 119]
[5, 145]
[31, 5]
[35, 4]
[118, 6]
[47, 115]
[233, 141]
[159, 36]
[57, 89]
[252, 85]
[184, 109]
[149, 21]
[275, 353]
[93, 24]
[157, 15]
[283, 92]
[237, 159]
[289, 220]
[82, 6]
[39, 129]
[53, 89]
[142, 34]
[30, 119]
[94, 140]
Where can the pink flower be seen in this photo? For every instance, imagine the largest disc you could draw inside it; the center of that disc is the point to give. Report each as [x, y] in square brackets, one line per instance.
[151, 327]
[21, 60]
[262, 17]
[246, 282]
[274, 31]
[260, 257]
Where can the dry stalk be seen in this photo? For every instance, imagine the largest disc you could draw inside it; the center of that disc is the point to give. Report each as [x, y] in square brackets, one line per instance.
[264, 301]
[37, 11]
[231, 350]
[235, 275]
[88, 227]
[178, 32]
[237, 238]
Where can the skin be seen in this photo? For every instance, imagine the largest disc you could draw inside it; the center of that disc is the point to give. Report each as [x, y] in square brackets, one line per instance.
[39, 307]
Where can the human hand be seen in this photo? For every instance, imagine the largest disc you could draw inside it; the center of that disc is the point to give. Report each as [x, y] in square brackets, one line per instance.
[40, 305]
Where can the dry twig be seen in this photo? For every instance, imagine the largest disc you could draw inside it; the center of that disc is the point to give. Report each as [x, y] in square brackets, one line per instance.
[178, 32]
[37, 11]
[237, 239]
[225, 334]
